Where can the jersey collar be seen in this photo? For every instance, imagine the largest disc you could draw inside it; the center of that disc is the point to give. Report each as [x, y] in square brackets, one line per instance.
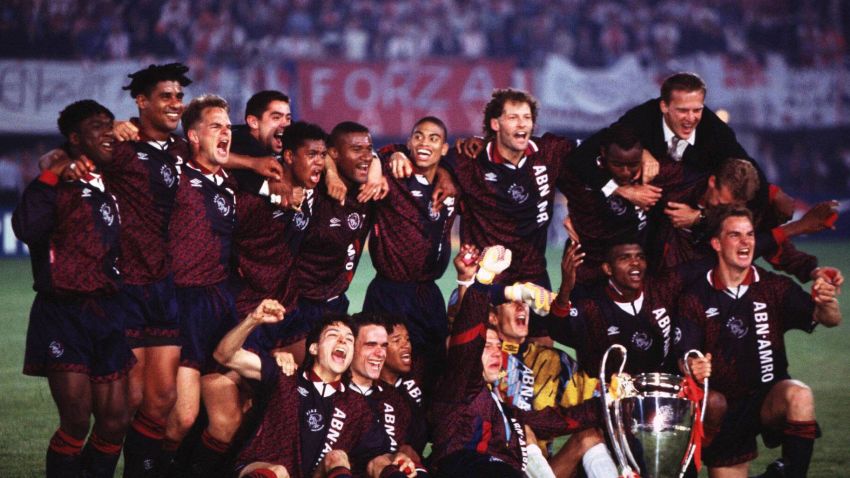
[496, 158]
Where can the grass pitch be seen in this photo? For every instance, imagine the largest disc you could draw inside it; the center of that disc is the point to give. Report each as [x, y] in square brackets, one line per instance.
[28, 417]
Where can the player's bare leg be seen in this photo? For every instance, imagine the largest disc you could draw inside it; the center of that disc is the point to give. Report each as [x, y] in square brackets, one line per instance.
[136, 381]
[734, 471]
[223, 401]
[789, 408]
[71, 393]
[111, 419]
[568, 459]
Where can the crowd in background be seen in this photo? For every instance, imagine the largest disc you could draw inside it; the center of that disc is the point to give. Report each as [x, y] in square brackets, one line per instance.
[591, 34]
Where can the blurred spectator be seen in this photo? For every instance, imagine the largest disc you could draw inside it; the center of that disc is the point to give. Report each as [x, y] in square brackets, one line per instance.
[805, 32]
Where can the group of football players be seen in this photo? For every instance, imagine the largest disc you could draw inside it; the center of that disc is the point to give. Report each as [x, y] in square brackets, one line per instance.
[191, 290]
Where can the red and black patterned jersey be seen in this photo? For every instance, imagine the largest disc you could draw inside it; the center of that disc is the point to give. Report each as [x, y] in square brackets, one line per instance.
[743, 327]
[467, 414]
[144, 177]
[296, 402]
[331, 250]
[409, 241]
[201, 227]
[72, 231]
[390, 423]
[267, 240]
[511, 205]
[409, 387]
[646, 327]
[598, 221]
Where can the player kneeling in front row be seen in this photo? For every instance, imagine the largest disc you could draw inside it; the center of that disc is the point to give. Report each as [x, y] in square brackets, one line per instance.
[739, 313]
[312, 405]
[76, 335]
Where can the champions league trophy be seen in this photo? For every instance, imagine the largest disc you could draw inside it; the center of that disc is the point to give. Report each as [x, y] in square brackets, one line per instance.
[657, 419]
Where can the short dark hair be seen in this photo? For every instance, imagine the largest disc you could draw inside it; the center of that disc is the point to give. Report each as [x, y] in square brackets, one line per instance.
[298, 132]
[393, 321]
[316, 332]
[192, 113]
[740, 176]
[144, 81]
[436, 121]
[77, 112]
[344, 128]
[715, 217]
[362, 319]
[621, 135]
[623, 240]
[682, 81]
[258, 103]
[496, 106]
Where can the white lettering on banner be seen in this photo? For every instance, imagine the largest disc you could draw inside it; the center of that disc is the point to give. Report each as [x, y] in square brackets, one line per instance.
[763, 338]
[318, 86]
[479, 85]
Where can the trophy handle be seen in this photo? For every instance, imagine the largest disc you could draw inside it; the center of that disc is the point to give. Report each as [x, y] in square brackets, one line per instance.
[693, 446]
[622, 466]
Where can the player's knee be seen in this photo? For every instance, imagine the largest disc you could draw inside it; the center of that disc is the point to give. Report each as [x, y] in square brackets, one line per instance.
[223, 426]
[112, 422]
[74, 417]
[589, 438]
[799, 397]
[184, 421]
[159, 401]
[376, 466]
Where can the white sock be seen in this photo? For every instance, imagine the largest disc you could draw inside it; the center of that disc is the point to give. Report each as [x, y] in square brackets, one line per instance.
[537, 465]
[598, 463]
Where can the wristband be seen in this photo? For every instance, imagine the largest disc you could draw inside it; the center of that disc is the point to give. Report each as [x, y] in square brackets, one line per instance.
[466, 283]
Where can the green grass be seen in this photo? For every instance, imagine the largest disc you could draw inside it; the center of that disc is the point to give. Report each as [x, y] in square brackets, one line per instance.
[28, 417]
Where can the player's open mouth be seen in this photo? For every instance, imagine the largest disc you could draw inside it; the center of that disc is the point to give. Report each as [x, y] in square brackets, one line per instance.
[107, 145]
[375, 365]
[521, 135]
[406, 358]
[315, 175]
[635, 273]
[423, 153]
[174, 116]
[338, 355]
[521, 320]
[221, 147]
[363, 167]
[744, 253]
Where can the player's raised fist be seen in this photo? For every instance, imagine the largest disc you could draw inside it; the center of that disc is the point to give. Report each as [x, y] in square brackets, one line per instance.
[268, 312]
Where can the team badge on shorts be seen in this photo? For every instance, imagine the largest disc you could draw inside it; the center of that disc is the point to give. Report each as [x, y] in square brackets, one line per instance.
[432, 214]
[56, 349]
[315, 420]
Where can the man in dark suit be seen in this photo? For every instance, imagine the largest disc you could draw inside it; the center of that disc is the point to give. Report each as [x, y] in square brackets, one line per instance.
[678, 127]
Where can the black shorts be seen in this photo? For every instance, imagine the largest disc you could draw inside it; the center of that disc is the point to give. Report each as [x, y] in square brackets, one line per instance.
[420, 304]
[206, 315]
[735, 443]
[150, 313]
[77, 334]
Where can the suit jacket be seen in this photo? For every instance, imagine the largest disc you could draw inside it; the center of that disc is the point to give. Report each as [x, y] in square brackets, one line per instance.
[715, 141]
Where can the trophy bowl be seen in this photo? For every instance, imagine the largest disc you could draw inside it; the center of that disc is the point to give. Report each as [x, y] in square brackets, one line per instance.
[658, 422]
